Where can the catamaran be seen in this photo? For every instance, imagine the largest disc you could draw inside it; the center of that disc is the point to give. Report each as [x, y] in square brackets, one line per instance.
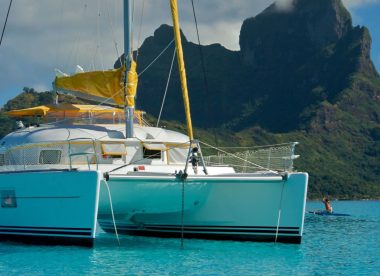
[89, 165]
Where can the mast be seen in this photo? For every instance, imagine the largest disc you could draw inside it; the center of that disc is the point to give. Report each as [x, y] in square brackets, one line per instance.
[129, 110]
[181, 66]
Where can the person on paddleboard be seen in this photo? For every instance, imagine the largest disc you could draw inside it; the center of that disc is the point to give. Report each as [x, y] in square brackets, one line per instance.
[327, 203]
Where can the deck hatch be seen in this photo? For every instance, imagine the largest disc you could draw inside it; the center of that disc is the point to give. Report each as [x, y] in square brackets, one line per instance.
[114, 150]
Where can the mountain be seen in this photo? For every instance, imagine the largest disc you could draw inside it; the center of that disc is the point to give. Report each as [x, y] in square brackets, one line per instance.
[302, 74]
[301, 57]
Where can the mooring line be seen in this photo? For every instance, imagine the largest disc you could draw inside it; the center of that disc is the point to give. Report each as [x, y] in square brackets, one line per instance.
[279, 211]
[113, 217]
[183, 213]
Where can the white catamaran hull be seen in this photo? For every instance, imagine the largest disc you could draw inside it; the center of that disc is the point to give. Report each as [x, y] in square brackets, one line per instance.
[50, 206]
[246, 207]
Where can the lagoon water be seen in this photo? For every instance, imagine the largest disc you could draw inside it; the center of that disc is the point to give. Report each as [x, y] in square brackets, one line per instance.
[331, 245]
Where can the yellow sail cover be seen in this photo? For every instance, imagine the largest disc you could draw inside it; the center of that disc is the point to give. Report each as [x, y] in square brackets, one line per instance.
[132, 78]
[96, 85]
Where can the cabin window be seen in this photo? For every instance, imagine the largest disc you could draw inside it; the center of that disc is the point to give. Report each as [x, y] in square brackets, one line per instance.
[113, 150]
[152, 153]
[50, 157]
[2, 159]
[8, 199]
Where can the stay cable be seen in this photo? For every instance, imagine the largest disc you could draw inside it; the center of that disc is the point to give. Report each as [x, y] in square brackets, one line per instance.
[6, 20]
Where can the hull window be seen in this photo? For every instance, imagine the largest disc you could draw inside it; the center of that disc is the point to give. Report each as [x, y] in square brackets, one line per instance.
[8, 199]
[50, 157]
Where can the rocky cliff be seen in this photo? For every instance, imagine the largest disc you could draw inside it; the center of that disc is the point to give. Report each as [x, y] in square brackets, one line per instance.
[290, 60]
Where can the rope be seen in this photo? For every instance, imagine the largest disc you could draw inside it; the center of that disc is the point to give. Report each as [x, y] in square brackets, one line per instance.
[166, 88]
[113, 217]
[132, 23]
[279, 211]
[95, 106]
[98, 37]
[163, 51]
[256, 147]
[58, 48]
[118, 57]
[72, 57]
[140, 28]
[6, 20]
[183, 213]
[242, 159]
[207, 94]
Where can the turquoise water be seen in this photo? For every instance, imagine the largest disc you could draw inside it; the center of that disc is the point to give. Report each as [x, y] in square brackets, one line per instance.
[331, 245]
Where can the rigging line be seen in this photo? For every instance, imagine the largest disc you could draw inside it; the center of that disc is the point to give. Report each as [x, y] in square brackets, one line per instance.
[118, 57]
[74, 49]
[238, 157]
[140, 30]
[99, 45]
[182, 212]
[279, 211]
[131, 27]
[166, 88]
[162, 52]
[254, 147]
[204, 73]
[6, 20]
[95, 106]
[60, 39]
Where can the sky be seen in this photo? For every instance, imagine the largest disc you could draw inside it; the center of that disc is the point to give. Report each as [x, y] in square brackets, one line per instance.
[43, 35]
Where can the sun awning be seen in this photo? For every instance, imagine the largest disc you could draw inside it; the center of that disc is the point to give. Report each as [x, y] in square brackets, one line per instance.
[67, 109]
[33, 111]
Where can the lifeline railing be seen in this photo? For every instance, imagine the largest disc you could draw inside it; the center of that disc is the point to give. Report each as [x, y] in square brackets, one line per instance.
[278, 157]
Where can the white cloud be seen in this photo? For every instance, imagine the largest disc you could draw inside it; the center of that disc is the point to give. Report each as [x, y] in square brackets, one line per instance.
[42, 35]
[41, 87]
[357, 3]
[284, 5]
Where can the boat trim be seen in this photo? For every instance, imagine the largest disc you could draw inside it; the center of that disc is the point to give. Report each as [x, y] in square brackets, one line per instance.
[288, 234]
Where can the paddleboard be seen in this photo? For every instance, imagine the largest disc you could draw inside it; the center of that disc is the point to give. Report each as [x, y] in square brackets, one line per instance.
[325, 213]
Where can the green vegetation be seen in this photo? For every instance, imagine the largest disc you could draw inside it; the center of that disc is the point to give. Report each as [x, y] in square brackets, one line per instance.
[339, 149]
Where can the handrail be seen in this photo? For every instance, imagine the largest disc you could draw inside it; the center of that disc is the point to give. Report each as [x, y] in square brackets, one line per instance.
[83, 153]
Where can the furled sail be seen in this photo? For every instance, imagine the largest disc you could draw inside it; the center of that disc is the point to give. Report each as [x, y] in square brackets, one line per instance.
[100, 86]
[132, 80]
